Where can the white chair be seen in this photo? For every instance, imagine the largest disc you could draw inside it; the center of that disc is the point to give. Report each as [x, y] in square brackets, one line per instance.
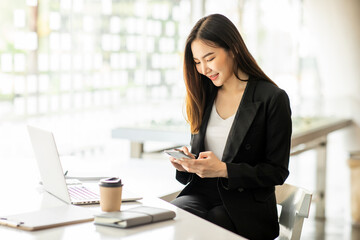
[295, 206]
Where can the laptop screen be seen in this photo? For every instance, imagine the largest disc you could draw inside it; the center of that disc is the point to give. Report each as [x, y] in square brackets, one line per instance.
[49, 164]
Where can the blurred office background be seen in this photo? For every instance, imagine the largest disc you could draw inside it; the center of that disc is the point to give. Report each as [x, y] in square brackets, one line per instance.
[84, 67]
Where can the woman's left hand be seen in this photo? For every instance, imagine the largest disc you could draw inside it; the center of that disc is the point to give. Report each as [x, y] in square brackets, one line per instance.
[207, 165]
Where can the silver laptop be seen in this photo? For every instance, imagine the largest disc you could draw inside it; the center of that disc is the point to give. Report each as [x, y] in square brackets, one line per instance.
[52, 175]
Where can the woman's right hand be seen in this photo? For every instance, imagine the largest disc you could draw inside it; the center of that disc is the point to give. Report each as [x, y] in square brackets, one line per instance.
[175, 163]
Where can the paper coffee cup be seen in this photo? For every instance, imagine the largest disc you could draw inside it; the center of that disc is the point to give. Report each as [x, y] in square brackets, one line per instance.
[110, 194]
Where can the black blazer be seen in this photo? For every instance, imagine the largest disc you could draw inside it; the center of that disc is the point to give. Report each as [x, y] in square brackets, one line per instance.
[257, 157]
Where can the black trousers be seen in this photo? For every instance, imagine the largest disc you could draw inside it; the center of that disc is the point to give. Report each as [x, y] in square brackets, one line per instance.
[202, 207]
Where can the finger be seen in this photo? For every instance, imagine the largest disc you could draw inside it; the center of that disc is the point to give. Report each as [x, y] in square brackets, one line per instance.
[173, 162]
[185, 150]
[190, 165]
[204, 154]
[175, 165]
[179, 163]
[176, 161]
[178, 166]
[190, 155]
[182, 163]
[186, 161]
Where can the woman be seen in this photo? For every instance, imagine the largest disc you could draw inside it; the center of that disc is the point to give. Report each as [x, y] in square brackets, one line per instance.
[241, 130]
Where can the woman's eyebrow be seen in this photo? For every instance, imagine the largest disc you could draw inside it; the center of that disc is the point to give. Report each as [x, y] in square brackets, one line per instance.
[206, 55]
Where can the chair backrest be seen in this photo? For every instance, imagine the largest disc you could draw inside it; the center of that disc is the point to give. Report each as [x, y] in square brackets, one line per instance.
[295, 205]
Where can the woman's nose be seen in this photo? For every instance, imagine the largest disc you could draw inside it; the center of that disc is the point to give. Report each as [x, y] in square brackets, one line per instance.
[204, 69]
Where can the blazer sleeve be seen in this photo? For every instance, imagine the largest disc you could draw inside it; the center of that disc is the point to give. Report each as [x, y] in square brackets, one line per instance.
[272, 164]
[183, 177]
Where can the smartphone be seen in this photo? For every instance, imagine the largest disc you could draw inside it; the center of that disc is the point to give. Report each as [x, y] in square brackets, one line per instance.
[177, 153]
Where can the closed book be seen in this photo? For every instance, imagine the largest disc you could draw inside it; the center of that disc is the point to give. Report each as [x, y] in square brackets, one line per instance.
[134, 217]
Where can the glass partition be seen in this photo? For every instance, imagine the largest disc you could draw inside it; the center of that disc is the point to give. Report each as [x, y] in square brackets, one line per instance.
[88, 66]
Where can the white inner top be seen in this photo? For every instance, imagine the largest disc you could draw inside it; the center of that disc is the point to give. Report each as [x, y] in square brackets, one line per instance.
[217, 132]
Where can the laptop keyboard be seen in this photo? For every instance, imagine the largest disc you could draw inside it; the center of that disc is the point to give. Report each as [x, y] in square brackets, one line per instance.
[81, 193]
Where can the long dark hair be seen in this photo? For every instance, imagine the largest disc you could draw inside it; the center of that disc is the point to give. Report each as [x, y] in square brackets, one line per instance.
[217, 31]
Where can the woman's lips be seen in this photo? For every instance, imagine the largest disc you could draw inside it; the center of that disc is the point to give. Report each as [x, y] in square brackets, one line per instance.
[214, 77]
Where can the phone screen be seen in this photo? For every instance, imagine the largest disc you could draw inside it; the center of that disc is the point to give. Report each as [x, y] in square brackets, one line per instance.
[178, 154]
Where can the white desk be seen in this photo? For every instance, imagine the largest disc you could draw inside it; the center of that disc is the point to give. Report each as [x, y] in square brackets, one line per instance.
[184, 226]
[20, 193]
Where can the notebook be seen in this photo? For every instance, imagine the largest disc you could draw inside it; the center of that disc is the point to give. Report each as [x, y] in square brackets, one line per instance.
[52, 174]
[134, 217]
[47, 218]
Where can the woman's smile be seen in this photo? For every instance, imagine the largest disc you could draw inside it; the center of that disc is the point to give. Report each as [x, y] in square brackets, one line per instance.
[213, 77]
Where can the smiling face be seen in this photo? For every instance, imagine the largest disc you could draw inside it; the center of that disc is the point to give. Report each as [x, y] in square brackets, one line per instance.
[213, 62]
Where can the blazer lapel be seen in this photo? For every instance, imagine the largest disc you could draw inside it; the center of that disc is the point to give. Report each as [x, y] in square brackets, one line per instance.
[242, 122]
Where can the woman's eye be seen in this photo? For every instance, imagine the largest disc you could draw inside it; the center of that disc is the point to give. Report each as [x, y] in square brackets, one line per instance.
[210, 59]
[197, 63]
